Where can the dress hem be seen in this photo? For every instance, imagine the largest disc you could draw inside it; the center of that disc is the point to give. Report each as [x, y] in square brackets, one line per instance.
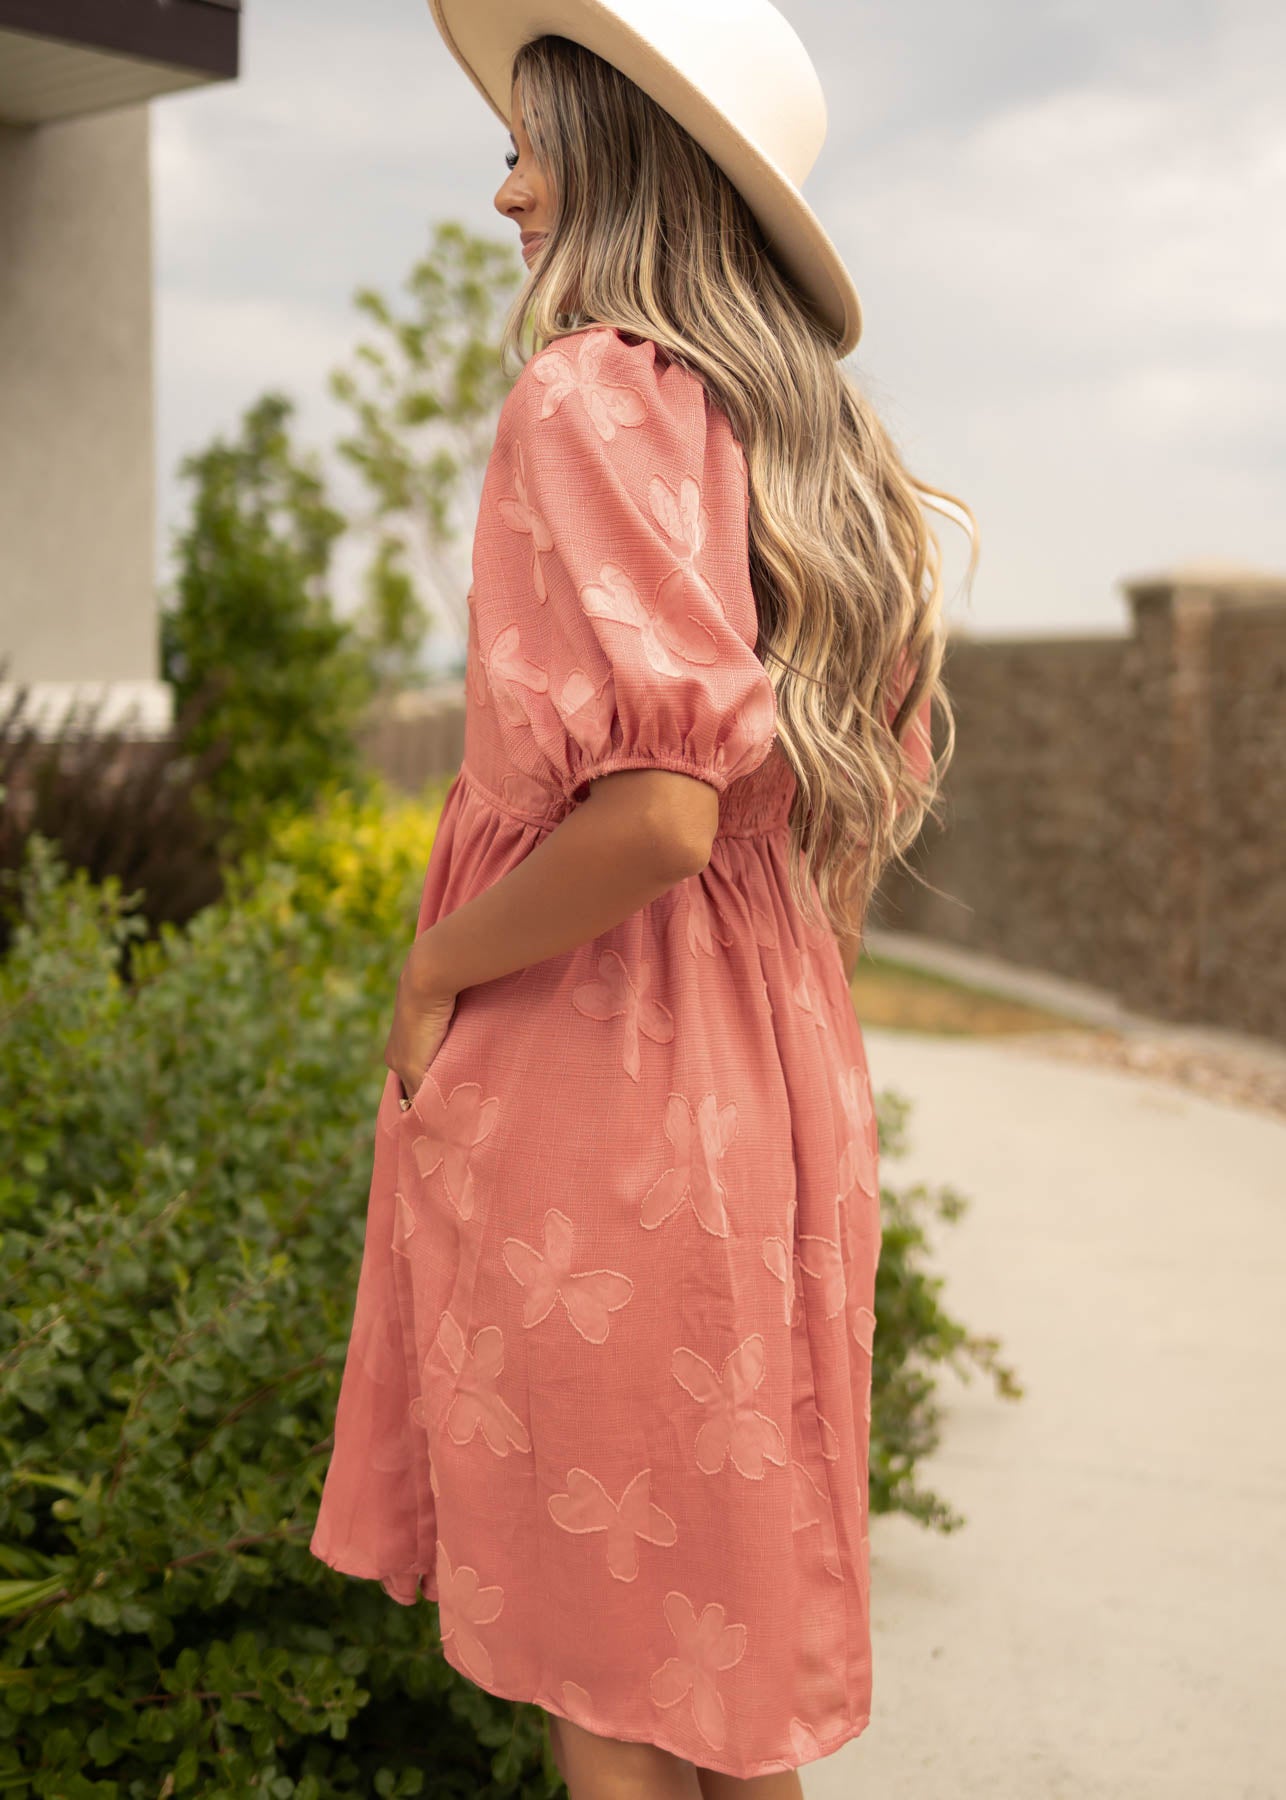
[771, 1765]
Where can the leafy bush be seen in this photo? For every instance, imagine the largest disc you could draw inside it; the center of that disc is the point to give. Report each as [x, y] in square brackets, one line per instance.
[914, 1334]
[182, 1212]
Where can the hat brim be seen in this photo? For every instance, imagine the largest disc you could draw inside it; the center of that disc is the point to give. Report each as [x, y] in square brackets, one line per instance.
[484, 36]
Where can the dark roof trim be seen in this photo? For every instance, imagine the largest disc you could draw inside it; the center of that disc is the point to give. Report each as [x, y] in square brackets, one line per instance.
[185, 34]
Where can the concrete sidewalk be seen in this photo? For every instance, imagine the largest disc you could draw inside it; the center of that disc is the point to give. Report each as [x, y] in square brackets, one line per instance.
[1108, 1622]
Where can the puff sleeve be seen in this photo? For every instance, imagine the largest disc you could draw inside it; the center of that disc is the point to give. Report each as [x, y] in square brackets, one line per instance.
[619, 561]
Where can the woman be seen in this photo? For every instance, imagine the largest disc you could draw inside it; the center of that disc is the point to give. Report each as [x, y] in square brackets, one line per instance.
[607, 1397]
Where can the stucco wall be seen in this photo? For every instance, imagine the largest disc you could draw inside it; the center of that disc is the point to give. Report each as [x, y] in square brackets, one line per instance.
[77, 595]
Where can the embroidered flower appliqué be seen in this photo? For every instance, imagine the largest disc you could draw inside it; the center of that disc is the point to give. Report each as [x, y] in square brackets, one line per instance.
[453, 1130]
[701, 916]
[527, 795]
[587, 1506]
[765, 926]
[576, 1699]
[589, 1297]
[803, 1741]
[462, 1607]
[808, 1000]
[700, 1141]
[671, 635]
[858, 1163]
[811, 1505]
[475, 674]
[812, 1502]
[820, 1257]
[521, 516]
[685, 522]
[734, 1427]
[476, 1403]
[679, 514]
[617, 994]
[587, 711]
[508, 669]
[779, 1260]
[608, 405]
[748, 743]
[403, 1223]
[803, 1748]
[855, 1092]
[706, 1646]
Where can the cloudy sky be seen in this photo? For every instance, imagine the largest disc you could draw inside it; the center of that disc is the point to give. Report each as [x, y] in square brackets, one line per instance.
[1064, 219]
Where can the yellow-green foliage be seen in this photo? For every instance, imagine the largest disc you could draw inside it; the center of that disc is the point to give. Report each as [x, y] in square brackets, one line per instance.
[356, 860]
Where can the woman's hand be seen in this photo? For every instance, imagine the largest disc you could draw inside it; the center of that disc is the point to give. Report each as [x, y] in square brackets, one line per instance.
[420, 1022]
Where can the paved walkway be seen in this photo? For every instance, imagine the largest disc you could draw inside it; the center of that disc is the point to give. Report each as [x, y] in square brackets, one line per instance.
[1107, 1625]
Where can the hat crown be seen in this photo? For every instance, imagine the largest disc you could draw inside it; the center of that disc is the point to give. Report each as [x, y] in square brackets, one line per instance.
[735, 75]
[743, 55]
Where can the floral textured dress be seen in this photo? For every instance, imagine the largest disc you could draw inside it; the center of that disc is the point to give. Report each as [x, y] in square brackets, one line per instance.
[607, 1394]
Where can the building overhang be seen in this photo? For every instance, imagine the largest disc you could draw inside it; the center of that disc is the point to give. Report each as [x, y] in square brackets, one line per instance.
[63, 59]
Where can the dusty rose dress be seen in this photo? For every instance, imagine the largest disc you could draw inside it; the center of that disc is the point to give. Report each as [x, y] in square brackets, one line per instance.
[607, 1395]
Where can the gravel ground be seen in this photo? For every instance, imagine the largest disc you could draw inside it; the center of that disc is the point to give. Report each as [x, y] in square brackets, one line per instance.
[1240, 1078]
[1223, 1065]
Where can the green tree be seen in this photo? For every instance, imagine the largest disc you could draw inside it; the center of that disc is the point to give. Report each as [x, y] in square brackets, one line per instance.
[424, 392]
[252, 622]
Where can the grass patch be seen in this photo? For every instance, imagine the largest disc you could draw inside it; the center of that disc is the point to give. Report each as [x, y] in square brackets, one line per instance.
[897, 996]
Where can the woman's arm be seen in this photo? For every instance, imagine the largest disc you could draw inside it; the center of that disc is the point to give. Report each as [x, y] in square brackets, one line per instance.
[639, 832]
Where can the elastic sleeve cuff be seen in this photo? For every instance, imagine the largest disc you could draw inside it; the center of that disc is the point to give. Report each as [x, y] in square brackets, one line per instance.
[643, 759]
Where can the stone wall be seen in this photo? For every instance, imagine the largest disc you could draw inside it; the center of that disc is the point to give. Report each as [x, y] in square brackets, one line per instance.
[1244, 902]
[1115, 811]
[1023, 858]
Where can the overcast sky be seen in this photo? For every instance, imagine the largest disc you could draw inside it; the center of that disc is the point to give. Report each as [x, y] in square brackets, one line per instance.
[1064, 217]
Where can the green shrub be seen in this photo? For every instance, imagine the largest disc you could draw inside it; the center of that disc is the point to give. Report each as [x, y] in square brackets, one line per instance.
[182, 1210]
[914, 1334]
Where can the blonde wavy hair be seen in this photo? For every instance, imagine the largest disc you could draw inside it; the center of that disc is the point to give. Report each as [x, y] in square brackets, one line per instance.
[650, 236]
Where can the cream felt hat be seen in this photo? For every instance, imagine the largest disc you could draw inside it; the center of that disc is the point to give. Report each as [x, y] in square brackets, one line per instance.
[732, 72]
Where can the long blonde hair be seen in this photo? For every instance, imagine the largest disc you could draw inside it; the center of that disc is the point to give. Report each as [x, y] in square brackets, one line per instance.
[651, 237]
